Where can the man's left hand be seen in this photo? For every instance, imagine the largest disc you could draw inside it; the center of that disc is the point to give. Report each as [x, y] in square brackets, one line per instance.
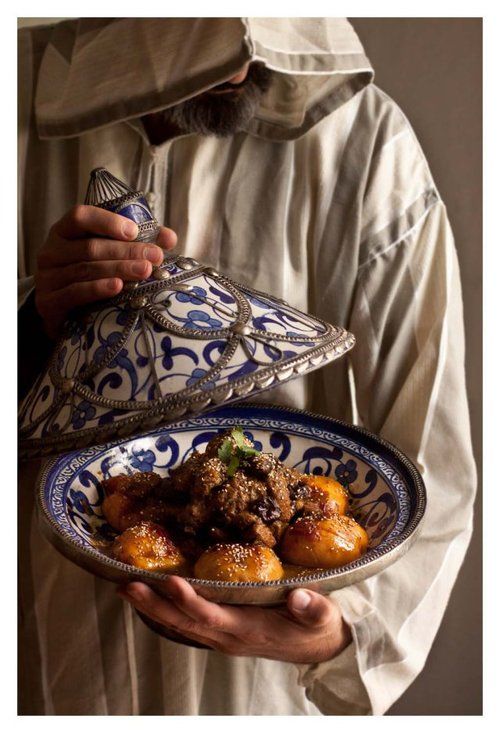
[309, 629]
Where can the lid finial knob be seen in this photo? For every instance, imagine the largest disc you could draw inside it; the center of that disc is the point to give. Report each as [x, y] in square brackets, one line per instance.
[108, 192]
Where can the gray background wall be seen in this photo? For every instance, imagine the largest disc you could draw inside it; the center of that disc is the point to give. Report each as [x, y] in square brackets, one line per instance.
[432, 68]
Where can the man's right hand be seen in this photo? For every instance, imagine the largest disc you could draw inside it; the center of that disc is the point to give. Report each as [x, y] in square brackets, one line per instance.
[87, 256]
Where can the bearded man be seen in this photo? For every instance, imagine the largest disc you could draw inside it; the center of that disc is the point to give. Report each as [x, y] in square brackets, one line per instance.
[271, 155]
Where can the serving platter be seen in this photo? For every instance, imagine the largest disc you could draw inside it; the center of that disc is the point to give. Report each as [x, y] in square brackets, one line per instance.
[387, 493]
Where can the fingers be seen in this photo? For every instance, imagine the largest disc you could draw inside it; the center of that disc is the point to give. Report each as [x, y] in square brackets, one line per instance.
[53, 306]
[311, 609]
[203, 612]
[81, 220]
[87, 257]
[56, 278]
[62, 252]
[166, 613]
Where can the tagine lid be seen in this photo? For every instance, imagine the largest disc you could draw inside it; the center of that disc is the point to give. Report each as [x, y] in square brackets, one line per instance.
[180, 343]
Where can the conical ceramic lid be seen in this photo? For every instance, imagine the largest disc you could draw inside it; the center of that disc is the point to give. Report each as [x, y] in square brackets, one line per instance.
[182, 342]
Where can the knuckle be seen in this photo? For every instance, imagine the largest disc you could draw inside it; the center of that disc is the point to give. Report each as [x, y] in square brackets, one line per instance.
[83, 271]
[256, 639]
[210, 619]
[77, 213]
[191, 627]
[92, 249]
[135, 252]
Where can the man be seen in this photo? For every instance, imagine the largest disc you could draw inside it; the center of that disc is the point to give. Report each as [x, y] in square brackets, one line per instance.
[264, 146]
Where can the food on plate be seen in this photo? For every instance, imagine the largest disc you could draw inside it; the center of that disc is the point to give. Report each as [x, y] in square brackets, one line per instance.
[132, 499]
[239, 564]
[138, 485]
[234, 513]
[328, 493]
[119, 511]
[149, 547]
[318, 542]
[233, 493]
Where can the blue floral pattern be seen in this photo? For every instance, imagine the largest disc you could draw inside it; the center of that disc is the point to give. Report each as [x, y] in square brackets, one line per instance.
[346, 473]
[81, 413]
[142, 460]
[200, 319]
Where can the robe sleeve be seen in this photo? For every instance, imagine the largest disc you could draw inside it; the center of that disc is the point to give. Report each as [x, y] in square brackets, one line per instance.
[408, 368]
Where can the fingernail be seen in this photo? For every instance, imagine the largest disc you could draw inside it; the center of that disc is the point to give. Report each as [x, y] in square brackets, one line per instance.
[139, 268]
[300, 600]
[153, 254]
[130, 230]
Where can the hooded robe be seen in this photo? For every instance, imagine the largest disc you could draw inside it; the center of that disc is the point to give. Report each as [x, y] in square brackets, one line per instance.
[325, 200]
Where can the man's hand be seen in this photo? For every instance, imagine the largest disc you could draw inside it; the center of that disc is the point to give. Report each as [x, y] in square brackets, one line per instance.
[309, 629]
[88, 255]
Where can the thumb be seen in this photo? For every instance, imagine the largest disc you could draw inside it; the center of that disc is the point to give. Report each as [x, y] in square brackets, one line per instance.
[310, 609]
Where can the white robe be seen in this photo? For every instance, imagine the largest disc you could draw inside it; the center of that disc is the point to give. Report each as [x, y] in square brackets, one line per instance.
[326, 201]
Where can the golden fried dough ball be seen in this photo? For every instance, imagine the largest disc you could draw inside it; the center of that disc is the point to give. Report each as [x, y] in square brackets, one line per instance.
[323, 542]
[329, 493]
[239, 564]
[118, 510]
[148, 546]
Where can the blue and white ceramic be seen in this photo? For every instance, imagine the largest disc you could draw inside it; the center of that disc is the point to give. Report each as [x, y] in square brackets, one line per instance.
[388, 494]
[182, 342]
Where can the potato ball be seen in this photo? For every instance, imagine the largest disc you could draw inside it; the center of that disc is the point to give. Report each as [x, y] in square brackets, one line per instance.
[148, 546]
[329, 493]
[118, 510]
[239, 564]
[323, 542]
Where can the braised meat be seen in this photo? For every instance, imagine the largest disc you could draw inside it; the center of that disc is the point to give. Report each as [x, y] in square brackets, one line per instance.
[232, 495]
[232, 492]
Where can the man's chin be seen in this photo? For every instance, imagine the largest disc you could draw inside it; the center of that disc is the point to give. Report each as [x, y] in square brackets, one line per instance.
[219, 115]
[224, 111]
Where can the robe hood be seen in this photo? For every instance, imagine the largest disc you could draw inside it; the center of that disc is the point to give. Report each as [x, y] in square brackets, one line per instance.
[98, 71]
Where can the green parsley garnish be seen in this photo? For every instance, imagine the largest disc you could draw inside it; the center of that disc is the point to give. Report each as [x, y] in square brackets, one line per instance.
[234, 449]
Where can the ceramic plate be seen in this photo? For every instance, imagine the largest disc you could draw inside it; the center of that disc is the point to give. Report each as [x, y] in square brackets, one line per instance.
[387, 492]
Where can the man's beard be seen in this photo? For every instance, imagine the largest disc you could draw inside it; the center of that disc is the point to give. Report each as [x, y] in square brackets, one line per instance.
[226, 113]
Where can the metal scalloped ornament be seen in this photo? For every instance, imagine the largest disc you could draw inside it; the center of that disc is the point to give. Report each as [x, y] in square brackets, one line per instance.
[182, 342]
